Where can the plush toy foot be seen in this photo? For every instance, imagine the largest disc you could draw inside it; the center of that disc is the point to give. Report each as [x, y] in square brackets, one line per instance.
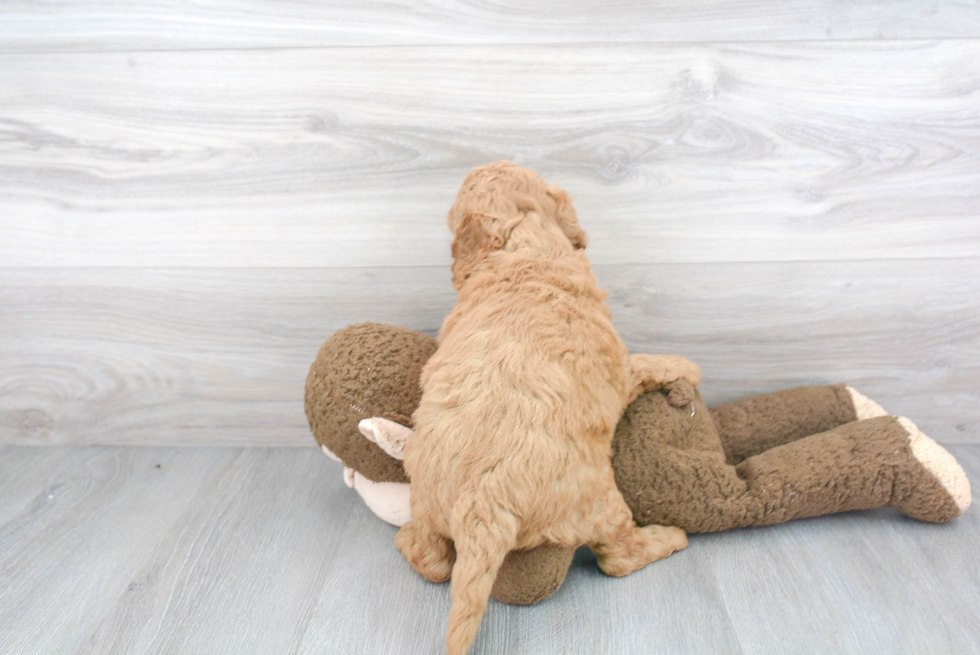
[937, 490]
[864, 407]
[430, 554]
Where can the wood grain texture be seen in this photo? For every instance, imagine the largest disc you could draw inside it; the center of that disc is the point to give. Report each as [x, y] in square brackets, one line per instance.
[265, 551]
[194, 195]
[89, 526]
[220, 356]
[88, 25]
[348, 157]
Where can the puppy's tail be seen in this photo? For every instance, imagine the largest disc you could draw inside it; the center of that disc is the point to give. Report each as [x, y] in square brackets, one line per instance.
[483, 535]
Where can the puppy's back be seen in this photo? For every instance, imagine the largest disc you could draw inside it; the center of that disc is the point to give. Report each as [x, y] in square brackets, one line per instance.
[527, 381]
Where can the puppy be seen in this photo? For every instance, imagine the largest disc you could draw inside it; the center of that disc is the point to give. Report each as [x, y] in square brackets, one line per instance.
[520, 401]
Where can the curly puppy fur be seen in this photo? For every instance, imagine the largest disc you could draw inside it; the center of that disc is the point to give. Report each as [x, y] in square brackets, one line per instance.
[520, 401]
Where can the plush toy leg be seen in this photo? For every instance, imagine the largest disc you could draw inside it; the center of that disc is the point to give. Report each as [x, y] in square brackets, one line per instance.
[756, 424]
[860, 465]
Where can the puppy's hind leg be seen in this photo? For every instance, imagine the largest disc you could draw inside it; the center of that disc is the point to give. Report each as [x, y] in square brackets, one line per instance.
[622, 547]
[429, 553]
[483, 536]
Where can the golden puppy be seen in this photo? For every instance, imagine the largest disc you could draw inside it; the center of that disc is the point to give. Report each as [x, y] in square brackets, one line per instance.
[513, 433]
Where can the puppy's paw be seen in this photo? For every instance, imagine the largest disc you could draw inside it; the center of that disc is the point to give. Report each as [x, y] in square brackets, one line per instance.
[431, 555]
[651, 372]
[644, 545]
[662, 540]
[680, 393]
[681, 368]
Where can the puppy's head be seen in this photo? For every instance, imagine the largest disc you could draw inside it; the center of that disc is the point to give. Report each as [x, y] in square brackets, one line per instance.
[504, 206]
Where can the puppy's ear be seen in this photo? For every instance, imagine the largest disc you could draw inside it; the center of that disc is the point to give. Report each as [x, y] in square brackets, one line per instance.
[477, 235]
[567, 218]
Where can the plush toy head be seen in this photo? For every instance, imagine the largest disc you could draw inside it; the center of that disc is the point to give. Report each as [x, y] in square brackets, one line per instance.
[362, 371]
[369, 370]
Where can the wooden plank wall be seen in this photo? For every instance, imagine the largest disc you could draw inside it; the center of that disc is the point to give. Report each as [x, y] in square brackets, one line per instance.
[194, 195]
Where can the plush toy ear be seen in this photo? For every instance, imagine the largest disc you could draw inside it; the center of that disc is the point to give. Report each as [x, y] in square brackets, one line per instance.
[391, 437]
[567, 218]
[477, 235]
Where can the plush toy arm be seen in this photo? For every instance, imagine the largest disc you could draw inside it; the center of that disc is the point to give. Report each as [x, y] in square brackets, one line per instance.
[390, 436]
[651, 372]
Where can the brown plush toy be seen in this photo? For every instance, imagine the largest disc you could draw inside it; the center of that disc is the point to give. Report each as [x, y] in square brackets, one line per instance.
[797, 453]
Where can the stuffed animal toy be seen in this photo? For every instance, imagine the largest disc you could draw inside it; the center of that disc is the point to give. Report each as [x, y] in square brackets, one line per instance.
[768, 459]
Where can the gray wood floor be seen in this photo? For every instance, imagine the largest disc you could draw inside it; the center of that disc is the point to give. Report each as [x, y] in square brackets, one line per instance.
[264, 550]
